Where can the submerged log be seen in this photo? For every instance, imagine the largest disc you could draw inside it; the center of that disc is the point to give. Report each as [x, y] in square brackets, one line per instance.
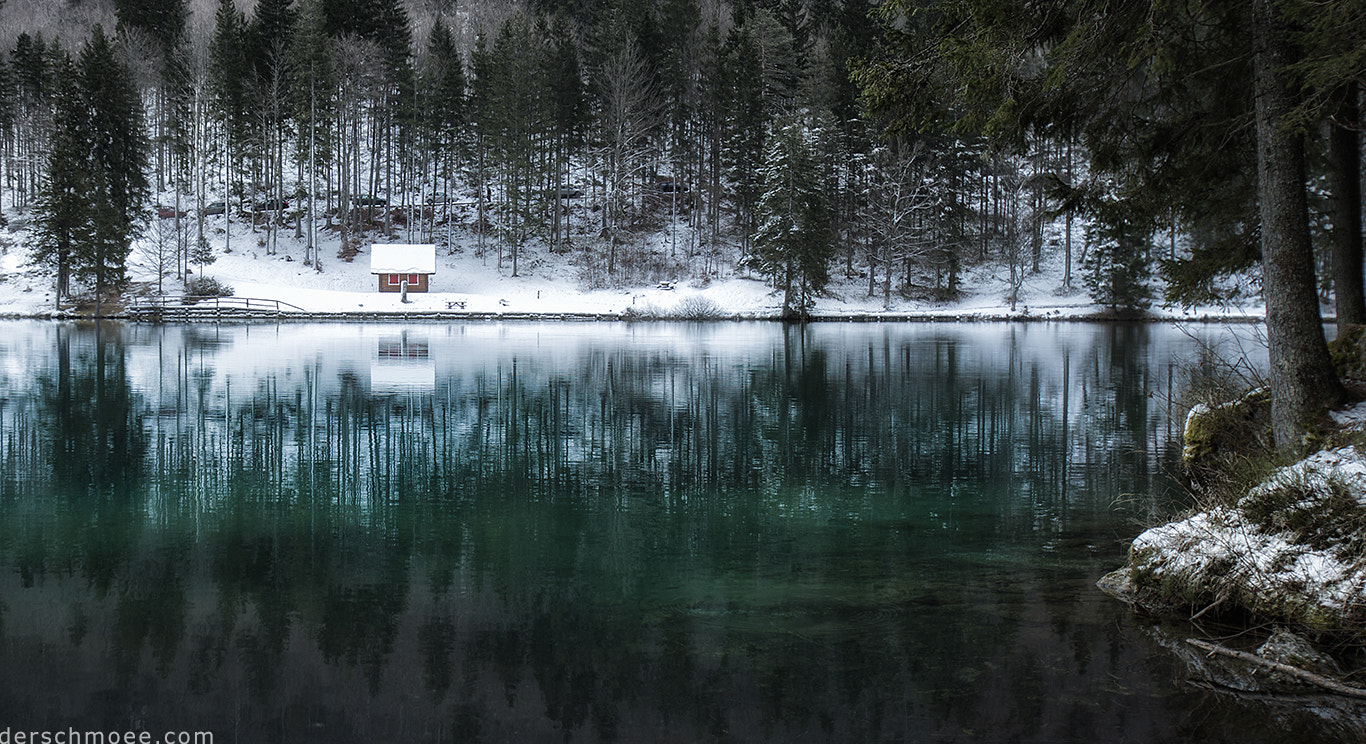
[1303, 675]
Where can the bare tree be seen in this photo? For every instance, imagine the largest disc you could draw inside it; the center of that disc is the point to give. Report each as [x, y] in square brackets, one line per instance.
[899, 204]
[161, 249]
[627, 122]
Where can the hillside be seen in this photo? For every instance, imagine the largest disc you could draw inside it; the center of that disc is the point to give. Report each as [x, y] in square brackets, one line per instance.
[549, 283]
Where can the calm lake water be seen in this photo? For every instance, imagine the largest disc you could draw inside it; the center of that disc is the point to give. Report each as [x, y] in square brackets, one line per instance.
[593, 532]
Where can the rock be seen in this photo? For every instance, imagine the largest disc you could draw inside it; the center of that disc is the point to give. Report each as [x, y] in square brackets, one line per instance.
[1215, 436]
[1119, 584]
[1348, 352]
[1284, 647]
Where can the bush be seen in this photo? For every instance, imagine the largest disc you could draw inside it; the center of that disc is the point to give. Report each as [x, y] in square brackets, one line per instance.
[205, 286]
[692, 307]
[697, 307]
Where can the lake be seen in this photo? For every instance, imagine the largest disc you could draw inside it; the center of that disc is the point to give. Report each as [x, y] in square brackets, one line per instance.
[542, 532]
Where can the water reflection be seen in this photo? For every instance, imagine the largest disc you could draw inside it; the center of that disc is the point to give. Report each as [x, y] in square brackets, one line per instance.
[585, 532]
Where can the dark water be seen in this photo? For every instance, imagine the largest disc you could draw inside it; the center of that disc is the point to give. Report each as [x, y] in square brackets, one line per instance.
[562, 532]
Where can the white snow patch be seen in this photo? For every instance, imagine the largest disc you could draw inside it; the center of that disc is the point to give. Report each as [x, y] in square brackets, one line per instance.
[549, 283]
[1221, 548]
[1352, 417]
[403, 258]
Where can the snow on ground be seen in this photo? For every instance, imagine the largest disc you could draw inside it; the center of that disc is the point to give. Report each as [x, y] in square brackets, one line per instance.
[547, 284]
[1277, 551]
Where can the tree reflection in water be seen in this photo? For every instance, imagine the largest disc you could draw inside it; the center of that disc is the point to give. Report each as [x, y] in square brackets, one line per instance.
[602, 532]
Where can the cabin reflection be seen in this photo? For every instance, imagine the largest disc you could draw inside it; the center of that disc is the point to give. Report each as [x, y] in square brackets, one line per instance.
[402, 366]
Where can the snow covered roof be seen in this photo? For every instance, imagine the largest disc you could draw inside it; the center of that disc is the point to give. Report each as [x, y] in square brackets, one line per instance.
[403, 258]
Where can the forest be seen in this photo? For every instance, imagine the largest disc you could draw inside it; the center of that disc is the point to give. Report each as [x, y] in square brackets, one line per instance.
[1159, 147]
[894, 142]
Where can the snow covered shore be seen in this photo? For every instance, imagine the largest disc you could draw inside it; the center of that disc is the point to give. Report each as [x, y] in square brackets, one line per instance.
[1291, 549]
[550, 285]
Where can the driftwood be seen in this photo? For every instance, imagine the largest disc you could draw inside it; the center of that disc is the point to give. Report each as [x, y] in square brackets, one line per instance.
[1293, 671]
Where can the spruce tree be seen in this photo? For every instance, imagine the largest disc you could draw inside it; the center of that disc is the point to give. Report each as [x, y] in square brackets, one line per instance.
[270, 31]
[164, 20]
[481, 107]
[795, 242]
[314, 104]
[444, 119]
[518, 125]
[1117, 267]
[230, 78]
[746, 122]
[64, 220]
[1303, 382]
[9, 109]
[118, 155]
[569, 114]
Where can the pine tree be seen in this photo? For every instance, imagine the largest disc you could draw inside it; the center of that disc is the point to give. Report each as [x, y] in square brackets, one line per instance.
[164, 19]
[1303, 382]
[270, 32]
[444, 117]
[118, 153]
[9, 111]
[517, 125]
[569, 115]
[1117, 267]
[482, 119]
[314, 104]
[29, 62]
[230, 78]
[795, 242]
[64, 223]
[746, 123]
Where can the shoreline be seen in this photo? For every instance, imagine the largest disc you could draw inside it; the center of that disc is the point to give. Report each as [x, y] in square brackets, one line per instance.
[236, 315]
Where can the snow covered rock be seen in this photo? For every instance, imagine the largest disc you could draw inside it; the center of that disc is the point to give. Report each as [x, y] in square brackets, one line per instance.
[1293, 548]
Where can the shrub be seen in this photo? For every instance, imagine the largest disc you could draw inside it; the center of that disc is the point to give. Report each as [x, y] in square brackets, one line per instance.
[697, 307]
[205, 286]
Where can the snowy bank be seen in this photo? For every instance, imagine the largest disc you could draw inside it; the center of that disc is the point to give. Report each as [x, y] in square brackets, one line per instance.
[1292, 549]
[470, 283]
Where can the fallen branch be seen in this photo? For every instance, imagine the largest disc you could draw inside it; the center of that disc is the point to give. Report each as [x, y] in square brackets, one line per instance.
[1293, 671]
[1262, 697]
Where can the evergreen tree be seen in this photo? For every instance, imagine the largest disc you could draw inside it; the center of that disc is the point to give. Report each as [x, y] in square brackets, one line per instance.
[746, 123]
[118, 162]
[569, 114]
[1117, 268]
[164, 20]
[64, 220]
[481, 108]
[1303, 382]
[231, 77]
[30, 66]
[33, 83]
[270, 31]
[795, 243]
[314, 104]
[518, 123]
[9, 111]
[444, 119]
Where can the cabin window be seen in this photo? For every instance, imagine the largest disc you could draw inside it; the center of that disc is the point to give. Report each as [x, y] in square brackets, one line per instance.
[394, 280]
[412, 279]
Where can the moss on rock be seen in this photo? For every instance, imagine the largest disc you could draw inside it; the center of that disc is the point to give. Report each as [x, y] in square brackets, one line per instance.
[1215, 437]
[1348, 352]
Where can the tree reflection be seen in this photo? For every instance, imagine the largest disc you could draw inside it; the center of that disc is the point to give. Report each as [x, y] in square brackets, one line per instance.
[806, 541]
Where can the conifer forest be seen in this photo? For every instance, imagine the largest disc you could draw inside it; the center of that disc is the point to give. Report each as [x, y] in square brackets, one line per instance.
[1155, 149]
[897, 140]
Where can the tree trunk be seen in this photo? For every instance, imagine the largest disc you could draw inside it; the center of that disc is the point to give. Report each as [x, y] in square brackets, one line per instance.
[1344, 183]
[1303, 383]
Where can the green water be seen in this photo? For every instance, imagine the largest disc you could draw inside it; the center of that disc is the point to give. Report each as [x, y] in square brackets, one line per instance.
[592, 532]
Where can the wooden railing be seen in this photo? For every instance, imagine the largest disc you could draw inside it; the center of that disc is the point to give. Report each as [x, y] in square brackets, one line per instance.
[169, 307]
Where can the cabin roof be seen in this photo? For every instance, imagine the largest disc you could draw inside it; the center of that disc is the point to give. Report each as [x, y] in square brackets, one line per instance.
[403, 258]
